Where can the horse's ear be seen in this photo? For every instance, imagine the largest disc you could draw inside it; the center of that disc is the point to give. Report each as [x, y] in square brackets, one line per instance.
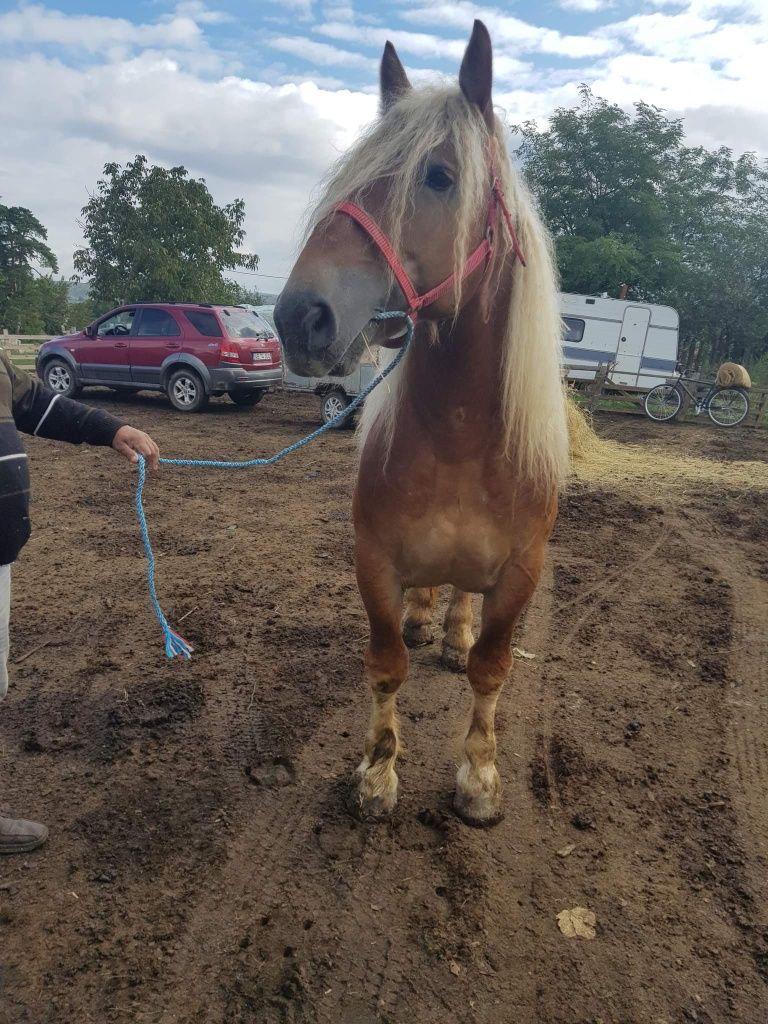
[392, 76]
[476, 75]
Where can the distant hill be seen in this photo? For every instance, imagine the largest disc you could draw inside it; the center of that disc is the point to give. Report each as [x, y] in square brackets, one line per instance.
[79, 292]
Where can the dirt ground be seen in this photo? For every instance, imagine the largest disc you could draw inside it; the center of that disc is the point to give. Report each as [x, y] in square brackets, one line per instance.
[202, 868]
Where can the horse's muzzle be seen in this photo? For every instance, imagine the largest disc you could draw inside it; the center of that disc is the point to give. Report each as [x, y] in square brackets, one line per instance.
[308, 330]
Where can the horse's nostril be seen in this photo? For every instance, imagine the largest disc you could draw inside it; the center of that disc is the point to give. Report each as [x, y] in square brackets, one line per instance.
[318, 326]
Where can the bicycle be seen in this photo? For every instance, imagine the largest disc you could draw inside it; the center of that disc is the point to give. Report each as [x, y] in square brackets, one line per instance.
[726, 406]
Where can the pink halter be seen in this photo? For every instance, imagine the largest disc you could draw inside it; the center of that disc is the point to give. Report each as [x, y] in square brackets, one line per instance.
[481, 255]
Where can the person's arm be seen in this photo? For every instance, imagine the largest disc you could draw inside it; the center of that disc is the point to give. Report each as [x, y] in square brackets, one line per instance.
[39, 411]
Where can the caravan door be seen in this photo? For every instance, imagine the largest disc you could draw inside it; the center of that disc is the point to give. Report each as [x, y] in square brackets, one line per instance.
[634, 328]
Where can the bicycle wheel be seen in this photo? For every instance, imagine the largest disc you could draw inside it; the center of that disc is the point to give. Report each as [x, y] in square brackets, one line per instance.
[728, 407]
[663, 402]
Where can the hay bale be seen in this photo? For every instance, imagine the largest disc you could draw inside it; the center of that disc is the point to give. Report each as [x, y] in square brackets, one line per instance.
[581, 435]
[733, 375]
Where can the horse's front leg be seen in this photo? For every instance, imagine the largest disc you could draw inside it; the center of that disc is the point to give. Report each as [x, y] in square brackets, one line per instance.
[478, 786]
[386, 666]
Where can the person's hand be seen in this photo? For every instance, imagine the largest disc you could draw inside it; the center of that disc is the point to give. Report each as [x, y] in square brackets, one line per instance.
[130, 443]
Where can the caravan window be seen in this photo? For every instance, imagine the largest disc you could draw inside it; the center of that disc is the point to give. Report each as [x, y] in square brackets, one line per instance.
[574, 329]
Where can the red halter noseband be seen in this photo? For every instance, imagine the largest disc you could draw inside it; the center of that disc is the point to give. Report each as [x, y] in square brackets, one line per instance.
[482, 254]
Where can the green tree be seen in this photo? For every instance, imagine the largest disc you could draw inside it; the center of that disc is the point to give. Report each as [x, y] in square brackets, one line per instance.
[50, 301]
[23, 249]
[236, 293]
[79, 315]
[155, 234]
[630, 203]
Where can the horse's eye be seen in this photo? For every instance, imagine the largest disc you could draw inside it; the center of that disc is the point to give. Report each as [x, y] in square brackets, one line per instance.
[438, 179]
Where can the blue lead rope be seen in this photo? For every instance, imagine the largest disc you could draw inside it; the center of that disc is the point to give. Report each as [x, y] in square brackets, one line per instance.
[175, 644]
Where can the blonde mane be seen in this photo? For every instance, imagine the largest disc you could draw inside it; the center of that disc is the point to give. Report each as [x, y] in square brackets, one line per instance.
[396, 147]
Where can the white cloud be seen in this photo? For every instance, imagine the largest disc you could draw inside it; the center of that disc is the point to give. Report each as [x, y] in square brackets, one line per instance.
[34, 24]
[321, 81]
[339, 12]
[510, 35]
[268, 144]
[201, 13]
[320, 53]
[422, 44]
[589, 6]
[303, 8]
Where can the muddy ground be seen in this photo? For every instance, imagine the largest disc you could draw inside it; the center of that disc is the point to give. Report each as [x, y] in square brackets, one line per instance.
[202, 868]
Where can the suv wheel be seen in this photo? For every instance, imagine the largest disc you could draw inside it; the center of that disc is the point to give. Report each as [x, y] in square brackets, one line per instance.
[334, 404]
[246, 398]
[60, 378]
[186, 391]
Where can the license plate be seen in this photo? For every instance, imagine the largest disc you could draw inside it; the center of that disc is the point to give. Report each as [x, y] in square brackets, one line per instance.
[262, 357]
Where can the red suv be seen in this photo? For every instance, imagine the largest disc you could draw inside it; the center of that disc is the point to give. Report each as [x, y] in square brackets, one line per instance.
[189, 350]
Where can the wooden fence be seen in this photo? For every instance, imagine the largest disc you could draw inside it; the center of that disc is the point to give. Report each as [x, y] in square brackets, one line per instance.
[602, 394]
[22, 348]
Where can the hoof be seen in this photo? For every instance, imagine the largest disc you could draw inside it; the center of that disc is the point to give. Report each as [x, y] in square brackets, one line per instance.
[371, 799]
[373, 811]
[478, 812]
[477, 799]
[417, 634]
[454, 659]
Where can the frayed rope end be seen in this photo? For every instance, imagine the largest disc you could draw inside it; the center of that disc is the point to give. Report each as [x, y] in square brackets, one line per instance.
[176, 646]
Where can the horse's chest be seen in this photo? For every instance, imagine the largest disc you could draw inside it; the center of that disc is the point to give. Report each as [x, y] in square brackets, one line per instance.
[436, 552]
[442, 512]
[455, 535]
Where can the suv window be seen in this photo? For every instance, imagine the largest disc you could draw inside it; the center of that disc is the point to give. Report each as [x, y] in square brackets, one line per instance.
[205, 323]
[241, 323]
[118, 324]
[156, 322]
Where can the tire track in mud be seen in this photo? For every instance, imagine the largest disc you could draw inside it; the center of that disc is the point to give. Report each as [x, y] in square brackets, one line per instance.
[748, 693]
[693, 849]
[747, 745]
[245, 904]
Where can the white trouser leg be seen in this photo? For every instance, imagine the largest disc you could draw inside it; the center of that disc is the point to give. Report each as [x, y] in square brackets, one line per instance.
[5, 616]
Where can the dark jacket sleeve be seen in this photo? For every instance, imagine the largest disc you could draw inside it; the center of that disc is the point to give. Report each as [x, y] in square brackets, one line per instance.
[37, 410]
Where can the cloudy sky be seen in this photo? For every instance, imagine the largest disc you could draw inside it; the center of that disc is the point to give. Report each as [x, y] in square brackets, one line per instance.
[259, 96]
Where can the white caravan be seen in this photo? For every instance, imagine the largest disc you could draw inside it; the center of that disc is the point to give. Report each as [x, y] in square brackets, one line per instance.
[638, 338]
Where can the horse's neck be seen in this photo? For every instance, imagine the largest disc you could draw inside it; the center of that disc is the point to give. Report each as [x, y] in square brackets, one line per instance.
[453, 383]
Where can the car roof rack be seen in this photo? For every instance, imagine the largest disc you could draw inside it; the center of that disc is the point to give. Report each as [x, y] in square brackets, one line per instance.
[174, 302]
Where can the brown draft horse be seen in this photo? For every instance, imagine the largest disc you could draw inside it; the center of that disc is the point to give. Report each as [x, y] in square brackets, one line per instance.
[463, 449]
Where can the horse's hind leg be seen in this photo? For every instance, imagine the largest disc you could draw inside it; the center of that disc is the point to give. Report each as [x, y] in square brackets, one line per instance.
[478, 786]
[458, 636]
[386, 666]
[419, 609]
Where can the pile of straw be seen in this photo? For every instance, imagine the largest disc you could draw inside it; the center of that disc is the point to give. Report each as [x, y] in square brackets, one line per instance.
[622, 466]
[581, 434]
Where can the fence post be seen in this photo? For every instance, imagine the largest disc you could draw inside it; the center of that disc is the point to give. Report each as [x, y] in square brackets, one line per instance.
[762, 408]
[597, 386]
